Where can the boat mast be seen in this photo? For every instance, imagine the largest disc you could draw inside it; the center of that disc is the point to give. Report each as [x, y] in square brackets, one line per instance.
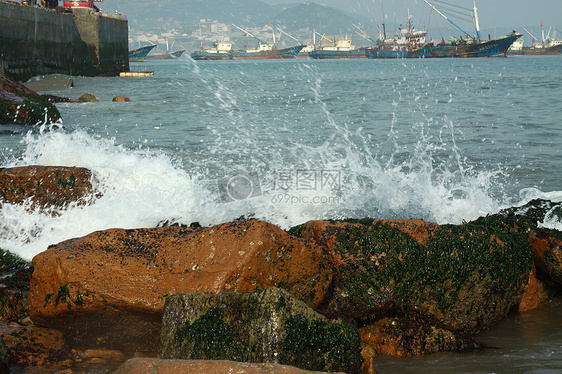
[476, 21]
[451, 22]
[314, 38]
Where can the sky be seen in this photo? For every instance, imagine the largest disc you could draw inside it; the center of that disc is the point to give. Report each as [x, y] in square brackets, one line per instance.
[492, 13]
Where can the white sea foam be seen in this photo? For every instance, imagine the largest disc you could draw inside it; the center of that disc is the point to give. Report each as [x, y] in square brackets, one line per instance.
[142, 188]
[138, 188]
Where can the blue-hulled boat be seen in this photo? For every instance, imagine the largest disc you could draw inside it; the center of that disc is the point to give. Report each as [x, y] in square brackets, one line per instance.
[139, 54]
[411, 43]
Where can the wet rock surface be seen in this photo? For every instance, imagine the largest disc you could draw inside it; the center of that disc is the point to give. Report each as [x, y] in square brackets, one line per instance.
[463, 278]
[31, 346]
[547, 252]
[403, 337]
[20, 105]
[45, 187]
[108, 289]
[264, 326]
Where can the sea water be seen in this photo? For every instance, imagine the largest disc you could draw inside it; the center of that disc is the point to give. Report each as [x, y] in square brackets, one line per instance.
[287, 141]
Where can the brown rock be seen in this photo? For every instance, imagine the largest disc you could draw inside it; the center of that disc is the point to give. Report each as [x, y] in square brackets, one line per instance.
[48, 187]
[159, 366]
[121, 99]
[35, 347]
[399, 337]
[547, 253]
[9, 86]
[88, 98]
[530, 298]
[14, 295]
[108, 289]
[108, 354]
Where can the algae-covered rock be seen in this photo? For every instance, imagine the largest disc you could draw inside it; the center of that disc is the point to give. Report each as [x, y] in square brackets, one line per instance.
[15, 276]
[88, 98]
[403, 337]
[463, 278]
[20, 105]
[45, 187]
[522, 219]
[263, 326]
[530, 220]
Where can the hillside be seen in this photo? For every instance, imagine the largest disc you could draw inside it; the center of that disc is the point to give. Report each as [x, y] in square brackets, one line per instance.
[326, 19]
[150, 16]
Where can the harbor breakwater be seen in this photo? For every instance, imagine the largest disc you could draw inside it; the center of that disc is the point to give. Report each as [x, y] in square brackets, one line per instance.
[36, 40]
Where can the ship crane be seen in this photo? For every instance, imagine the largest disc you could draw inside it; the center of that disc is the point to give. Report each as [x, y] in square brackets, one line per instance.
[532, 36]
[261, 42]
[248, 33]
[290, 36]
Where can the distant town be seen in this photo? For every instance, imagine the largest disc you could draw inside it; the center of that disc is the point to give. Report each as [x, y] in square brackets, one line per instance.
[210, 31]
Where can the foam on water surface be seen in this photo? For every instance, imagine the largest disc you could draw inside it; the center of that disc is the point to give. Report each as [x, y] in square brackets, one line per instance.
[142, 188]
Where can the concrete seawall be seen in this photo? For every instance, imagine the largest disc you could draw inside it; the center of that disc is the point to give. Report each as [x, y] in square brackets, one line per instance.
[36, 41]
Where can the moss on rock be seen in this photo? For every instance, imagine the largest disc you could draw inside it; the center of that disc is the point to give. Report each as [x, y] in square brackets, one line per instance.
[264, 326]
[465, 278]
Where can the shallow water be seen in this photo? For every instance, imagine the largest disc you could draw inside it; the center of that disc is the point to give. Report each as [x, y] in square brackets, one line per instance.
[528, 342]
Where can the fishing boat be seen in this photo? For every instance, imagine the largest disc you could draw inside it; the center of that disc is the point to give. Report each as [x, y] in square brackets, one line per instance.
[547, 46]
[219, 51]
[166, 55]
[139, 54]
[265, 50]
[407, 42]
[412, 43]
[342, 48]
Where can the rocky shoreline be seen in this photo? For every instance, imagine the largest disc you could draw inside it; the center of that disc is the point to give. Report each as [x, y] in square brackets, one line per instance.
[20, 105]
[324, 296]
